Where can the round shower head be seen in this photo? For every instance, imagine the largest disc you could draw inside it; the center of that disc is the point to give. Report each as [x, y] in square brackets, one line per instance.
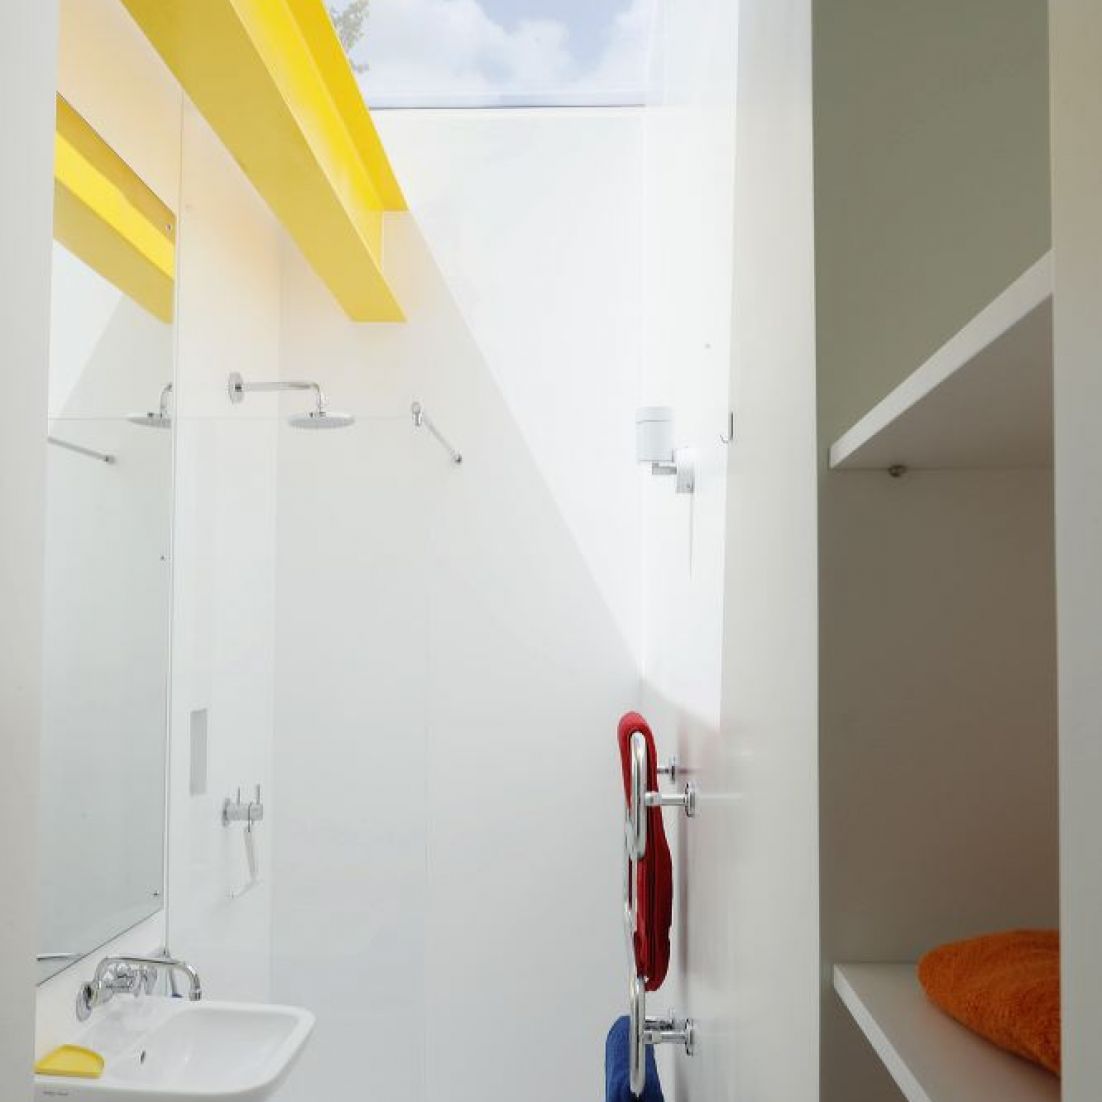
[320, 419]
[150, 420]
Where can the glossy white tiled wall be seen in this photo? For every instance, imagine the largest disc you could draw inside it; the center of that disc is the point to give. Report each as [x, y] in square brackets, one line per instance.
[223, 643]
[449, 670]
[534, 218]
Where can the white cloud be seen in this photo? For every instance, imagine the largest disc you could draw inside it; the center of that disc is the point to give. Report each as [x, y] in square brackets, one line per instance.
[626, 61]
[440, 51]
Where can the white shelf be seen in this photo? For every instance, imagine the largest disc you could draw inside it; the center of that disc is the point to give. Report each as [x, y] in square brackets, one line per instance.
[983, 400]
[931, 1057]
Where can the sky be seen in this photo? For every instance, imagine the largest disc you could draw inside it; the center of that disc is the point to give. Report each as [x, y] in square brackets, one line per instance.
[441, 52]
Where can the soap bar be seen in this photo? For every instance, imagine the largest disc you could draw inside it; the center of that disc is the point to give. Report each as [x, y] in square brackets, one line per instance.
[72, 1061]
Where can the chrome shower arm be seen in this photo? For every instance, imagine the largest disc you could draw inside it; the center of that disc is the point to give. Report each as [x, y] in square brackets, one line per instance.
[238, 388]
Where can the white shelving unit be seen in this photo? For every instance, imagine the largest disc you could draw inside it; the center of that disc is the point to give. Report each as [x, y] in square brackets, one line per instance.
[983, 400]
[931, 1057]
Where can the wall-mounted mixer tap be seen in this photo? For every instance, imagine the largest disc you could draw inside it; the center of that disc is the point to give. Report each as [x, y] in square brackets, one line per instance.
[240, 811]
[131, 976]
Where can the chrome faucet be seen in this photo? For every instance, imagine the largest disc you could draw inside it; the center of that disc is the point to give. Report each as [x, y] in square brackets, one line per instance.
[131, 976]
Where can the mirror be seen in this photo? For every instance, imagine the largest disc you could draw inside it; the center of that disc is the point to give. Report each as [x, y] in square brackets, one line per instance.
[108, 536]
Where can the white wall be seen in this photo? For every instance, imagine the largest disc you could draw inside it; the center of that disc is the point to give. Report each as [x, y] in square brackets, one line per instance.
[27, 71]
[1077, 244]
[451, 640]
[534, 219]
[768, 769]
[686, 322]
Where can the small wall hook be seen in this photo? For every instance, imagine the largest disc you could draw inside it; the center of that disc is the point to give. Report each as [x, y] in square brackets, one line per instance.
[730, 435]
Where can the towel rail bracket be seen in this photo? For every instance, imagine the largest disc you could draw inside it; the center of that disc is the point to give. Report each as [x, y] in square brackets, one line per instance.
[685, 799]
[640, 798]
[644, 1031]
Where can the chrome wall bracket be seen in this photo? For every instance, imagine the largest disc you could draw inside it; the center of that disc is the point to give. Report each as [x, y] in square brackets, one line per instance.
[640, 799]
[682, 467]
[421, 420]
[685, 799]
[644, 1031]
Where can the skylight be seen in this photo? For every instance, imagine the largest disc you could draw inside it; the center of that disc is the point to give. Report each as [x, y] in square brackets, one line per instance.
[498, 53]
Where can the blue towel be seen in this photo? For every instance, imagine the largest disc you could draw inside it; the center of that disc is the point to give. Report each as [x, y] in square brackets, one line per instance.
[617, 1071]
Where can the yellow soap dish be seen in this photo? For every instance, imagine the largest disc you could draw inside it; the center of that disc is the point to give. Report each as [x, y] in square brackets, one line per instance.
[72, 1061]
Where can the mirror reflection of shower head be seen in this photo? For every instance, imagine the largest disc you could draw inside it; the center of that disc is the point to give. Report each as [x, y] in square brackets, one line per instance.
[317, 418]
[161, 419]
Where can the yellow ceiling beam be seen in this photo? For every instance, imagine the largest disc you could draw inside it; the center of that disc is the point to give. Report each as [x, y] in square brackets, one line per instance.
[105, 214]
[272, 80]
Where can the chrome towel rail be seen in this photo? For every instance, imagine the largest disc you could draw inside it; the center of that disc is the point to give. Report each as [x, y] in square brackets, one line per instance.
[644, 1031]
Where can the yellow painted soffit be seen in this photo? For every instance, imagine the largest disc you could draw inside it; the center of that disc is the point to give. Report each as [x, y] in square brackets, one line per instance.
[105, 214]
[271, 79]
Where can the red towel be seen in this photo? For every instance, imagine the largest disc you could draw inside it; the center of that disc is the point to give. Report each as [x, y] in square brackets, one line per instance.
[654, 883]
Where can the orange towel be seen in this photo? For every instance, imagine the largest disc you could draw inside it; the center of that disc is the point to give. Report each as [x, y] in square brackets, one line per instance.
[1005, 987]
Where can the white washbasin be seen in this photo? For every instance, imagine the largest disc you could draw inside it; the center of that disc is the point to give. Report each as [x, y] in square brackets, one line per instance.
[169, 1050]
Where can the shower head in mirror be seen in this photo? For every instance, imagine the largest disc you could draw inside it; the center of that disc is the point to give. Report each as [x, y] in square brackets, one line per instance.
[159, 419]
[317, 418]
